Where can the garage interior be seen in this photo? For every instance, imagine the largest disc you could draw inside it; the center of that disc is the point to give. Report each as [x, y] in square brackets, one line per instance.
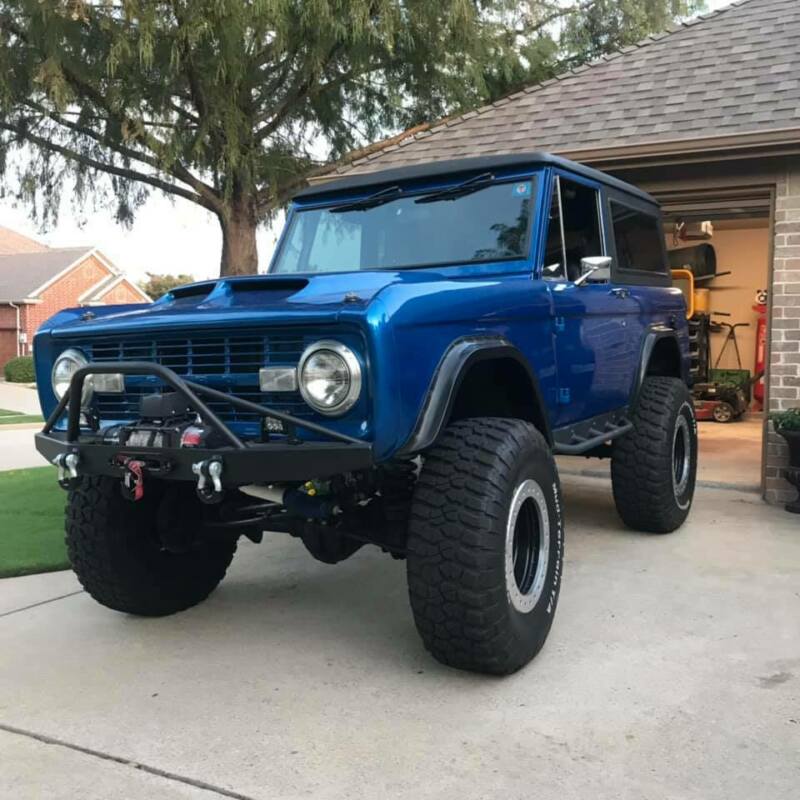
[724, 238]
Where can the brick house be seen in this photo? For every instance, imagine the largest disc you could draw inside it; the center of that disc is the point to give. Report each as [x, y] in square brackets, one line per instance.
[706, 117]
[36, 281]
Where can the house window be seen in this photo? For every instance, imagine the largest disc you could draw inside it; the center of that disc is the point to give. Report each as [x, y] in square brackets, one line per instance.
[574, 231]
[639, 241]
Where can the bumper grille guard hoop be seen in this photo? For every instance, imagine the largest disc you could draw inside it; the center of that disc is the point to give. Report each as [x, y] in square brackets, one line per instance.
[188, 390]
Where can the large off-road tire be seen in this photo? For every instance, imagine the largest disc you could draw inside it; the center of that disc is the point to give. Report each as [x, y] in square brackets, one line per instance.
[485, 545]
[116, 548]
[653, 468]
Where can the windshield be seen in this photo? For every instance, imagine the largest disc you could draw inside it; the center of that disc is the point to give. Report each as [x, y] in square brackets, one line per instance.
[452, 226]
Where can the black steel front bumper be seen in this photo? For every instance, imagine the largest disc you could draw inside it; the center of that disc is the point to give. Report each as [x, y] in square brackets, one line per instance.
[284, 459]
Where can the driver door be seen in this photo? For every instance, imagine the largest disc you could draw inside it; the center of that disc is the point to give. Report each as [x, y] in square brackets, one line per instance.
[595, 353]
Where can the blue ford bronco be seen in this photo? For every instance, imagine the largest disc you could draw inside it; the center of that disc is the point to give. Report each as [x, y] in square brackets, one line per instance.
[426, 341]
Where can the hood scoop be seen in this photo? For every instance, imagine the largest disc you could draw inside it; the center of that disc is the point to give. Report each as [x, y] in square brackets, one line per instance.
[286, 285]
[190, 295]
[236, 291]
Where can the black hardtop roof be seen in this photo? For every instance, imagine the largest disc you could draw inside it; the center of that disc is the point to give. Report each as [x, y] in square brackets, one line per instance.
[465, 165]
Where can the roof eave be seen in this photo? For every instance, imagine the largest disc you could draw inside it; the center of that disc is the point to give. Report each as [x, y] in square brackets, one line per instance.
[25, 301]
[778, 142]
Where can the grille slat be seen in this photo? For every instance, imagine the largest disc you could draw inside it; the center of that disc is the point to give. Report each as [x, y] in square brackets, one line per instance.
[229, 363]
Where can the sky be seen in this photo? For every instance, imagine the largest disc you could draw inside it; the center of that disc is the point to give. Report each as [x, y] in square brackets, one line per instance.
[167, 236]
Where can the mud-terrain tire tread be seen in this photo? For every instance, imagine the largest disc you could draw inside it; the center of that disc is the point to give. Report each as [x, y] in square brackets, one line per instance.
[456, 532]
[107, 547]
[641, 462]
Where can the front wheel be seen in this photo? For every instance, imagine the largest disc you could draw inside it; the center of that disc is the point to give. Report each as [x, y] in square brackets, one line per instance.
[149, 557]
[653, 468]
[485, 545]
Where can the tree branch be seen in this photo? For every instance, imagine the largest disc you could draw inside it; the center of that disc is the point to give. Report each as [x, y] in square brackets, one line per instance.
[112, 169]
[300, 89]
[156, 146]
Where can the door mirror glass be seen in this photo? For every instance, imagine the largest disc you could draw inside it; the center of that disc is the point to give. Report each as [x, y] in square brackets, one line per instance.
[595, 269]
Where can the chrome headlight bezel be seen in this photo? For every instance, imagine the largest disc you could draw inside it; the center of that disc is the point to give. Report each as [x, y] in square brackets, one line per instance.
[77, 358]
[353, 367]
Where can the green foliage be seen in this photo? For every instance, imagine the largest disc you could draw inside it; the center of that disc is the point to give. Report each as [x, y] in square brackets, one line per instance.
[229, 103]
[607, 25]
[20, 370]
[158, 285]
[786, 420]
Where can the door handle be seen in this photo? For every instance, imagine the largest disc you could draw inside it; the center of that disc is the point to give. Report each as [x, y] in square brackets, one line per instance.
[620, 292]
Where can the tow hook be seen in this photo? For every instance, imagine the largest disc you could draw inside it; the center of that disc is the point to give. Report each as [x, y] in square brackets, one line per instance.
[209, 483]
[133, 479]
[67, 464]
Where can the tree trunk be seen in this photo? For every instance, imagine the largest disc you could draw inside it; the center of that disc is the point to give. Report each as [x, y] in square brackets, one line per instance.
[239, 222]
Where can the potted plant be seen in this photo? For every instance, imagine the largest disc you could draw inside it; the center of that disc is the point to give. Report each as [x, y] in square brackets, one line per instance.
[787, 424]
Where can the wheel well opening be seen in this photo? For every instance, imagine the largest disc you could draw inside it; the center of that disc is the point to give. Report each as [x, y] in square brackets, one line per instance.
[498, 387]
[665, 360]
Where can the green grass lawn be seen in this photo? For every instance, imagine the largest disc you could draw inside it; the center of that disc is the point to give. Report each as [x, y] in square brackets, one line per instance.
[31, 522]
[13, 417]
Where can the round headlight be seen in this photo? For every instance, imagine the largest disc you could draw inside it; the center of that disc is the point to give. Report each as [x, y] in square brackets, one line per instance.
[329, 376]
[64, 369]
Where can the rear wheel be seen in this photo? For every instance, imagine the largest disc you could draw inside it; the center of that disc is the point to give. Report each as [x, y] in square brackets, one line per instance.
[653, 468]
[147, 557]
[485, 545]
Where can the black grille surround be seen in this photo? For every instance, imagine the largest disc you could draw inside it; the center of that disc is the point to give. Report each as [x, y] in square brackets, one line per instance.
[228, 362]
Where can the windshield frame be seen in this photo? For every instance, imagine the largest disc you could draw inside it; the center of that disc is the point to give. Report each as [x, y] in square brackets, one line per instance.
[420, 189]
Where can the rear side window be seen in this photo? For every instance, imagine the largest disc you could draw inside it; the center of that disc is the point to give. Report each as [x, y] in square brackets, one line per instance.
[640, 243]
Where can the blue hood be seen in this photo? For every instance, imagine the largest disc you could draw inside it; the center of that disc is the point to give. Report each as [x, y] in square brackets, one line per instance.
[258, 299]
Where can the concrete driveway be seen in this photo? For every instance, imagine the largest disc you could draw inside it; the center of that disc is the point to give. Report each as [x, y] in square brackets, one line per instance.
[17, 397]
[17, 450]
[673, 671]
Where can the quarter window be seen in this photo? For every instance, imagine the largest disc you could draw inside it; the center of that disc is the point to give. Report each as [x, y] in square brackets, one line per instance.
[639, 241]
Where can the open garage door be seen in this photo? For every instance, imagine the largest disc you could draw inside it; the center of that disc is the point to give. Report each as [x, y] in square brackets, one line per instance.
[729, 328]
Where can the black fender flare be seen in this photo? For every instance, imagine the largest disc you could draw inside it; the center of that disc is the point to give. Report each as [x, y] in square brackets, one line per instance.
[654, 335]
[460, 356]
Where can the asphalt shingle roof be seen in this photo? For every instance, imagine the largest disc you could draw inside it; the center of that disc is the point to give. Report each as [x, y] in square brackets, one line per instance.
[734, 71]
[23, 273]
[13, 242]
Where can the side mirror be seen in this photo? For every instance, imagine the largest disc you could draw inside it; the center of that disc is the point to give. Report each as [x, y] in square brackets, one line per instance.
[596, 268]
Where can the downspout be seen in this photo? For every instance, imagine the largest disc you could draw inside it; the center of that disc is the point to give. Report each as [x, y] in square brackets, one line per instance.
[16, 307]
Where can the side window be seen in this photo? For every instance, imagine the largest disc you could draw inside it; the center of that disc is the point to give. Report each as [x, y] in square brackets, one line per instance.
[574, 231]
[639, 241]
[582, 237]
[554, 247]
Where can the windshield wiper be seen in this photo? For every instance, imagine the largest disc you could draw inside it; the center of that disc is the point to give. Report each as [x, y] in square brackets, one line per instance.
[459, 190]
[377, 199]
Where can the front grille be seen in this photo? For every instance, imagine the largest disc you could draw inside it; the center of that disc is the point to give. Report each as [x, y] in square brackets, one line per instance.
[198, 356]
[229, 363]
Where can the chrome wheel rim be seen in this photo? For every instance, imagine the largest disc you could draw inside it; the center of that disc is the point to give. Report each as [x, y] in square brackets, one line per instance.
[723, 412]
[681, 456]
[527, 547]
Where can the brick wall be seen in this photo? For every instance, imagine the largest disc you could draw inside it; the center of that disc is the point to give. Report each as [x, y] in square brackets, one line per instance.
[122, 293]
[65, 293]
[784, 384]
